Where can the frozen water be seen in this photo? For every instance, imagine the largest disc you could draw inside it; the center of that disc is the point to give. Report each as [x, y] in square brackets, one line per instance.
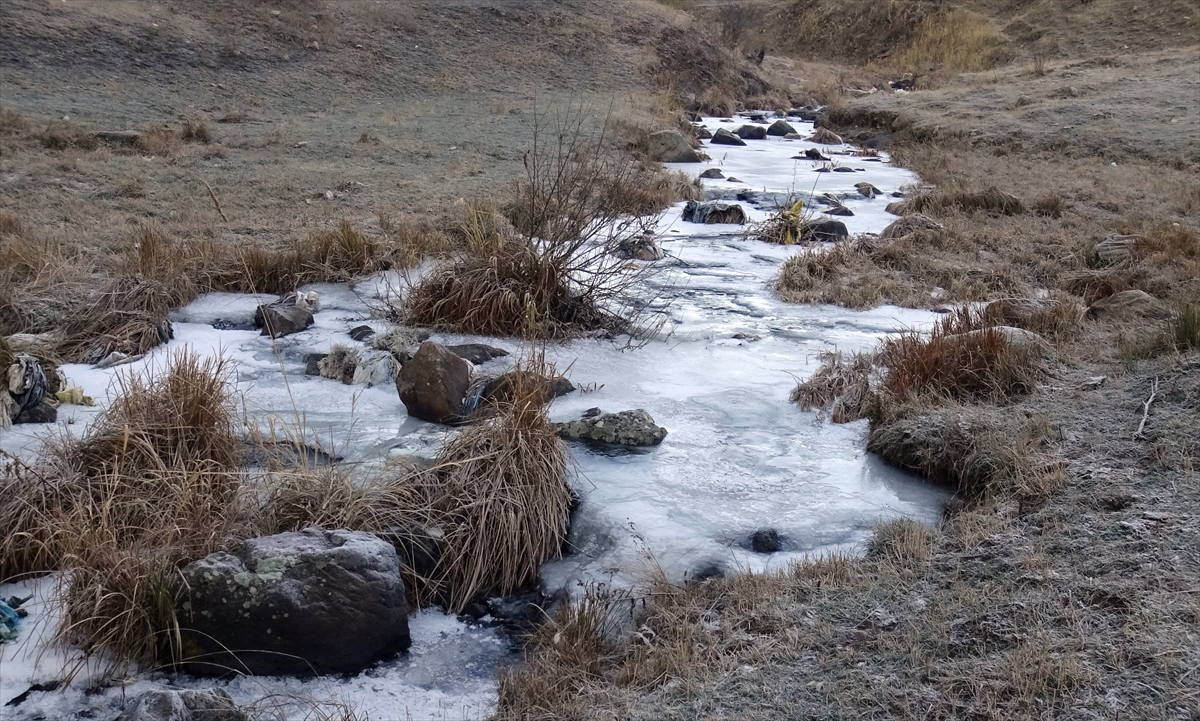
[738, 457]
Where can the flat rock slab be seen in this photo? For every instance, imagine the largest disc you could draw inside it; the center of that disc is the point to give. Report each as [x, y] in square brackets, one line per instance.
[280, 320]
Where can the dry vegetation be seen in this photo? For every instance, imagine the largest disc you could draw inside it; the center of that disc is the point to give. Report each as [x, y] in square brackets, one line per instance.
[1060, 583]
[158, 481]
[548, 270]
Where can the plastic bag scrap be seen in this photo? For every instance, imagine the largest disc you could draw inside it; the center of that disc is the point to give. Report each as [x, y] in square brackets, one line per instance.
[11, 614]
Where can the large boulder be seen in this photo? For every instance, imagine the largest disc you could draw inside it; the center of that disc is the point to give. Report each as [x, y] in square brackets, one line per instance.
[295, 604]
[433, 384]
[724, 137]
[1129, 305]
[669, 146]
[713, 211]
[781, 128]
[184, 705]
[278, 320]
[626, 428]
[751, 132]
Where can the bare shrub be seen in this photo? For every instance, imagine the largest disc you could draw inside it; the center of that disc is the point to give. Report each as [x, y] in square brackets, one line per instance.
[556, 276]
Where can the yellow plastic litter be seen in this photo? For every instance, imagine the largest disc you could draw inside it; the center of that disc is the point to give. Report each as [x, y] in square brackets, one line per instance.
[798, 206]
[74, 396]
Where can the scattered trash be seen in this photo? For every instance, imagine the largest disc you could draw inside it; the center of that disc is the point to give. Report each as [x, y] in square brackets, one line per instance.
[11, 614]
[74, 396]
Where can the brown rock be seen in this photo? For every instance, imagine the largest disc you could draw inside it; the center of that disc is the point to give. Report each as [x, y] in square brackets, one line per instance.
[433, 384]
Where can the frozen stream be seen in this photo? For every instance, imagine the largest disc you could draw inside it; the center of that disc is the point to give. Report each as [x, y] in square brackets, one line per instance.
[738, 457]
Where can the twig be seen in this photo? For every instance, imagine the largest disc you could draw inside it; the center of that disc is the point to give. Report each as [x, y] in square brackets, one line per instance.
[216, 202]
[1146, 411]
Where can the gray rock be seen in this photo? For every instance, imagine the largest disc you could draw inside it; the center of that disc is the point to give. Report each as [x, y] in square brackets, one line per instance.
[751, 132]
[712, 174]
[867, 190]
[724, 137]
[814, 154]
[781, 128]
[669, 146]
[1017, 338]
[476, 353]
[626, 428]
[713, 211]
[172, 705]
[312, 363]
[839, 210]
[361, 333]
[823, 231]
[295, 604]
[1128, 305]
[765, 540]
[1019, 311]
[433, 384]
[280, 320]
[117, 137]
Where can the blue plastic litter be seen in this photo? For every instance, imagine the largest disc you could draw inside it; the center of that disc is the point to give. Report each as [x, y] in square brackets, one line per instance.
[8, 622]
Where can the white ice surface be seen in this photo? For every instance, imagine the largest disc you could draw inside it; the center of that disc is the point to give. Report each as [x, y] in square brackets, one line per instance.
[738, 457]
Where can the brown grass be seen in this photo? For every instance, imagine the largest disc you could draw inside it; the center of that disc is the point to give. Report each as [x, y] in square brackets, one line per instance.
[150, 485]
[963, 358]
[62, 135]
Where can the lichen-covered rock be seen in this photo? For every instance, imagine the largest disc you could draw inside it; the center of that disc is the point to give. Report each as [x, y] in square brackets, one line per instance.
[626, 428]
[295, 604]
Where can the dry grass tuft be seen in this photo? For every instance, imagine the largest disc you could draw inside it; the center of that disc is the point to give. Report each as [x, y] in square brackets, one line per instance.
[953, 41]
[195, 131]
[62, 135]
[964, 358]
[1187, 327]
[940, 201]
[157, 142]
[505, 492]
[841, 387]
[151, 484]
[902, 542]
[129, 315]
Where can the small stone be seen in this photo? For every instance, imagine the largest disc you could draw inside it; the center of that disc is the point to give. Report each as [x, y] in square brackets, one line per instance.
[712, 174]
